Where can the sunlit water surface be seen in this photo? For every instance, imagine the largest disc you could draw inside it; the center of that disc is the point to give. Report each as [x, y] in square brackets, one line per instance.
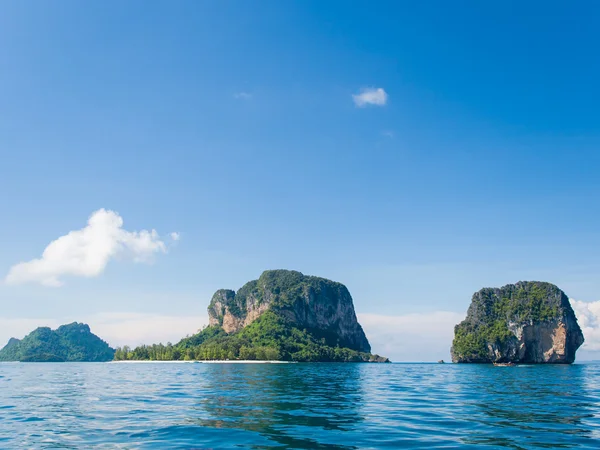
[96, 405]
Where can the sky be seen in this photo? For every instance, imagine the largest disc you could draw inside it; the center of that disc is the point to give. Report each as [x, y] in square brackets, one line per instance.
[151, 153]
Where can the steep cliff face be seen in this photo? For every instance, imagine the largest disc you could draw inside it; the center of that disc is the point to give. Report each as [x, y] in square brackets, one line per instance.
[233, 312]
[526, 322]
[322, 306]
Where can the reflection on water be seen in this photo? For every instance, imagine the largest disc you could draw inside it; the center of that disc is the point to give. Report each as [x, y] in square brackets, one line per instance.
[298, 406]
[272, 400]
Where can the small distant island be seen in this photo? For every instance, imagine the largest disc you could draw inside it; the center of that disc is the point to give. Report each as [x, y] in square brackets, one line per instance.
[529, 322]
[72, 342]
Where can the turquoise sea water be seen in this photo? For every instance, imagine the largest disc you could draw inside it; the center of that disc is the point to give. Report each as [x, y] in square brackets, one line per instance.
[147, 406]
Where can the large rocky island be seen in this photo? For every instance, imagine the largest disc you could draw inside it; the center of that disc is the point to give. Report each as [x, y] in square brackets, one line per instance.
[284, 315]
[527, 322]
[72, 342]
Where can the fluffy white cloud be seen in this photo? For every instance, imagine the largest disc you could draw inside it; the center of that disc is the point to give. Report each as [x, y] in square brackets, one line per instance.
[588, 317]
[411, 337]
[175, 236]
[370, 96]
[87, 251]
[117, 329]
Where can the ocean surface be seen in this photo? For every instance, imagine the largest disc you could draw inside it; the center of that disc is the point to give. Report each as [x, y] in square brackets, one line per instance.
[148, 406]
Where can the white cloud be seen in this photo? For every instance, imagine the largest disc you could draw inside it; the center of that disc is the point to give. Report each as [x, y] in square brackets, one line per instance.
[588, 317]
[411, 337]
[175, 236]
[370, 96]
[87, 251]
[242, 95]
[117, 329]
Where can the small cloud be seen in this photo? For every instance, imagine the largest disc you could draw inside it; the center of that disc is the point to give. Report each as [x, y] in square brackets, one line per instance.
[86, 252]
[175, 236]
[370, 96]
[388, 134]
[242, 95]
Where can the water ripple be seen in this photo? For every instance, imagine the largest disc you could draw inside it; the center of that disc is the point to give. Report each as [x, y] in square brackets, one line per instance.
[328, 406]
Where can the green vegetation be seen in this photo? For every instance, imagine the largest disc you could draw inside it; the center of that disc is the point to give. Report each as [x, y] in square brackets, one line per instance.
[492, 310]
[289, 286]
[532, 302]
[472, 340]
[73, 342]
[270, 337]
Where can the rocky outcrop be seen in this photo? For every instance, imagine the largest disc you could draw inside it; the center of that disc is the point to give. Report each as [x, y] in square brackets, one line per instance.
[319, 305]
[527, 322]
[234, 313]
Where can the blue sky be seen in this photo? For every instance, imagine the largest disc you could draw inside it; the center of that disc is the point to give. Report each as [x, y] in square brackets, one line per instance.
[233, 124]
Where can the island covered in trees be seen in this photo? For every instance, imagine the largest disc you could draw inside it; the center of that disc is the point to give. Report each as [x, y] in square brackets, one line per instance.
[284, 316]
[72, 342]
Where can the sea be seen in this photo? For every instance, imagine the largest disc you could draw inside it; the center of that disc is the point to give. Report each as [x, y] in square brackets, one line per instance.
[320, 406]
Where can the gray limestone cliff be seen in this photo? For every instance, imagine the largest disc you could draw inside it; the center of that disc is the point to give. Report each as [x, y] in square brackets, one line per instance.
[526, 322]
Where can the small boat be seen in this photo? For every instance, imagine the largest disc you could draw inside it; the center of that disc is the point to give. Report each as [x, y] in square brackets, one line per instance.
[506, 364]
[441, 361]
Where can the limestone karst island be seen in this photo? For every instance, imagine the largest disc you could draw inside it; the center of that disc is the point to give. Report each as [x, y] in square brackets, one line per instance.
[526, 323]
[288, 316]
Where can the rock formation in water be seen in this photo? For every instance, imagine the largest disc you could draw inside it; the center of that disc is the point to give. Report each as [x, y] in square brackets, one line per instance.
[284, 315]
[72, 342]
[307, 302]
[526, 322]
